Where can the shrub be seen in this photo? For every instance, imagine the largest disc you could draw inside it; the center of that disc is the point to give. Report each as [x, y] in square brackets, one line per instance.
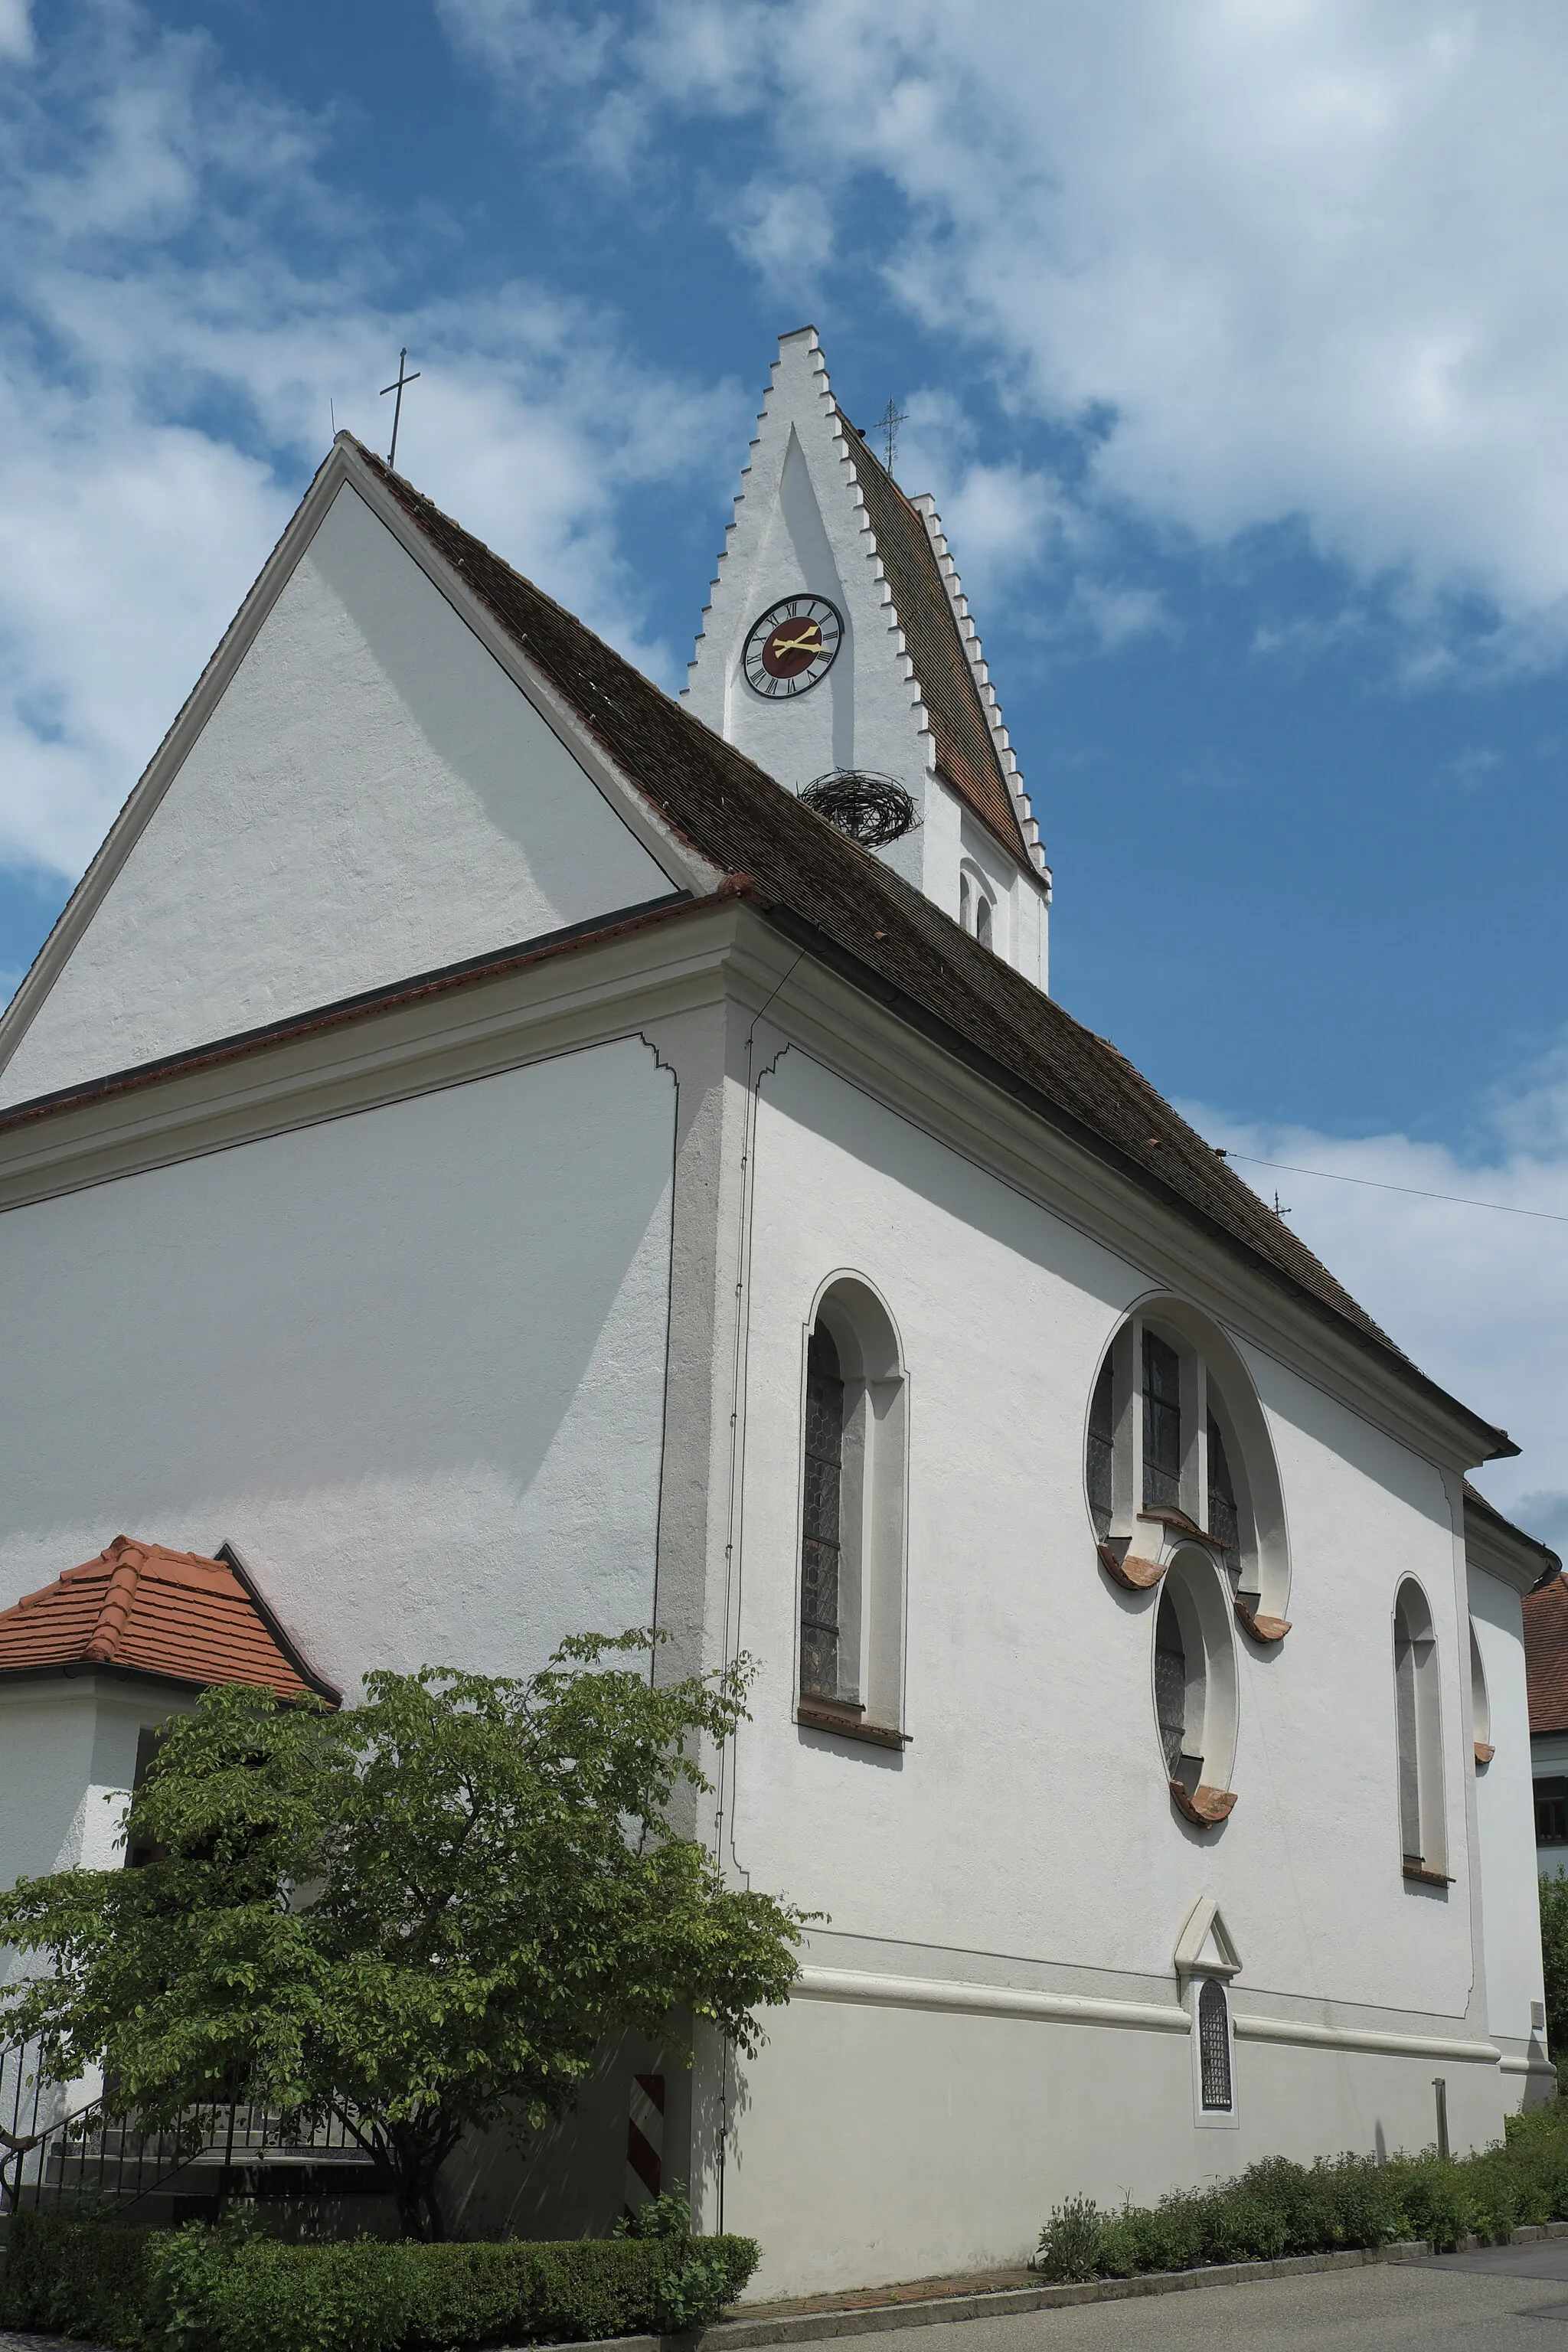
[1280, 2207]
[1069, 2243]
[230, 2290]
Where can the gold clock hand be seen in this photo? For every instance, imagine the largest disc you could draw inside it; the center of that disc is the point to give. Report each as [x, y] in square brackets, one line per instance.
[798, 645]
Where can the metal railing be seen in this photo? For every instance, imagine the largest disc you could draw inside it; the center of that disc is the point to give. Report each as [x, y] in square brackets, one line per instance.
[52, 2154]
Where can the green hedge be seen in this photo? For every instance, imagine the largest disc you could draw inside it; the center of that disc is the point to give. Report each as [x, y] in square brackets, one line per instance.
[1280, 2207]
[201, 2289]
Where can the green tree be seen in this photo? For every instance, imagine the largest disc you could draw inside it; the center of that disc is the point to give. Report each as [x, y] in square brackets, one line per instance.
[421, 1914]
[1554, 1960]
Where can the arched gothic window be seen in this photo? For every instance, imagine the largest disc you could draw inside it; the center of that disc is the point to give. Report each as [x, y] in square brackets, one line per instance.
[1419, 1737]
[1480, 1706]
[1213, 2047]
[852, 1519]
[1176, 1448]
[821, 1518]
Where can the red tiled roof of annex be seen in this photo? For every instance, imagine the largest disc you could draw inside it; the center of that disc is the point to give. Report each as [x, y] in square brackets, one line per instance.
[1546, 1655]
[139, 1608]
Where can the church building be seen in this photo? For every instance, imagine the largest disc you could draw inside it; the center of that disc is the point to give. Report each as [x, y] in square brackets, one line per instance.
[492, 1151]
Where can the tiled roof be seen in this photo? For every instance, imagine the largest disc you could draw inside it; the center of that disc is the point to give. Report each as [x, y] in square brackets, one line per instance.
[966, 755]
[886, 937]
[1546, 1656]
[140, 1609]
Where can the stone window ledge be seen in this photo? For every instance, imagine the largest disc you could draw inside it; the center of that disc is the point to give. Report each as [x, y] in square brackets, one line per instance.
[1263, 1629]
[1205, 1806]
[1422, 1876]
[849, 1723]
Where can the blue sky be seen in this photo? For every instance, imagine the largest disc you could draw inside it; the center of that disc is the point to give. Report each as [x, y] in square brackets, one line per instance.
[1232, 343]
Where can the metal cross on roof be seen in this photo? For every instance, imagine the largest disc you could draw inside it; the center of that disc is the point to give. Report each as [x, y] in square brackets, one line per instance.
[397, 403]
[888, 425]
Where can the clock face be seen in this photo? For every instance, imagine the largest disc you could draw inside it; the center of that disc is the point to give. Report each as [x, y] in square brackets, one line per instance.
[792, 644]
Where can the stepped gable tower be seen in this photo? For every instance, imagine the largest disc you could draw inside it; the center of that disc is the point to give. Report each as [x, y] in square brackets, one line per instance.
[838, 638]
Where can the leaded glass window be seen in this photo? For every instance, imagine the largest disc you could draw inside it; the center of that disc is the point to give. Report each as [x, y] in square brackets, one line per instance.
[1409, 1761]
[822, 1532]
[1213, 2048]
[1225, 1524]
[1170, 1685]
[1102, 1452]
[1162, 1424]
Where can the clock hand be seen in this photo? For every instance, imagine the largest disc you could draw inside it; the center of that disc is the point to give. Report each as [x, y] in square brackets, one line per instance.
[808, 645]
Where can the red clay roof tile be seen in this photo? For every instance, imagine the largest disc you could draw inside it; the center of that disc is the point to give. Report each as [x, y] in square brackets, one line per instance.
[1546, 1656]
[141, 1608]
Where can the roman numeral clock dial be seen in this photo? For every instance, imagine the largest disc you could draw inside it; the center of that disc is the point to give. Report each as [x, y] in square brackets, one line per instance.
[792, 644]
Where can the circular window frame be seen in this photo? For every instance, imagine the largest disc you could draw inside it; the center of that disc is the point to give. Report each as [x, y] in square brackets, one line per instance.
[1137, 1547]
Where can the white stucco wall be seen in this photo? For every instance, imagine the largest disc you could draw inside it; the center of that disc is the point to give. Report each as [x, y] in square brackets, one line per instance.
[373, 797]
[411, 1362]
[67, 1762]
[1027, 1837]
[1505, 1812]
[1035, 1768]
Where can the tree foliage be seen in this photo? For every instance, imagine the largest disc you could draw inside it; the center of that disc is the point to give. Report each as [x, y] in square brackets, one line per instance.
[421, 1914]
[1554, 1958]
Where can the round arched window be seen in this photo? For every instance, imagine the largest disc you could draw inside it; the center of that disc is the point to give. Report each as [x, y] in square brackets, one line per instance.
[1194, 1687]
[1177, 1453]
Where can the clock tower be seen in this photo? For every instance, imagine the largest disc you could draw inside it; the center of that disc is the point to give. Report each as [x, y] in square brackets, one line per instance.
[839, 640]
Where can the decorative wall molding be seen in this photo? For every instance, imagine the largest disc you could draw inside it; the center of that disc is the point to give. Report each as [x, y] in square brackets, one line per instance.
[986, 2001]
[1248, 2027]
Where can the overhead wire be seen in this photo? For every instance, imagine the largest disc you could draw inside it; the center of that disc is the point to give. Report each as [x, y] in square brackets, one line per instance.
[1377, 1184]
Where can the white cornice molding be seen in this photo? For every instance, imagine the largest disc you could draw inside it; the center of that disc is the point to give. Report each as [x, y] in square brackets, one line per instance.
[559, 1003]
[1501, 1550]
[341, 467]
[873, 1049]
[609, 987]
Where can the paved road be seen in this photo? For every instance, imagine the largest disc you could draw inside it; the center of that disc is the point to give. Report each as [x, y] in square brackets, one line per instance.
[1504, 2299]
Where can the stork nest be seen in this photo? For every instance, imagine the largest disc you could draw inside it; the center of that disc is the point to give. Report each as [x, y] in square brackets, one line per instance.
[872, 810]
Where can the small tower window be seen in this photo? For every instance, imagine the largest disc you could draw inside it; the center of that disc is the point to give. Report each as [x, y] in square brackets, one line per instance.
[982, 920]
[822, 1536]
[1213, 2048]
[1162, 1424]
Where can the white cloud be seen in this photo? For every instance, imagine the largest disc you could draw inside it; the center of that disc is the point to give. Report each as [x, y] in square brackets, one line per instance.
[1477, 1299]
[153, 287]
[1298, 259]
[16, 31]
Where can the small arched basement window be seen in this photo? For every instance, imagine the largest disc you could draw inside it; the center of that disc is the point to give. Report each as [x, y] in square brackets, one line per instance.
[852, 1518]
[1196, 1687]
[1213, 2048]
[1418, 1738]
[1176, 1448]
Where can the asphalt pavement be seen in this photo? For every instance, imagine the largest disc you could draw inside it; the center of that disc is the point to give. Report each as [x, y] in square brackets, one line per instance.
[1501, 2299]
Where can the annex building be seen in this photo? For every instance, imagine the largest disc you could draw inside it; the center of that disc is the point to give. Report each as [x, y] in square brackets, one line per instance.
[490, 1151]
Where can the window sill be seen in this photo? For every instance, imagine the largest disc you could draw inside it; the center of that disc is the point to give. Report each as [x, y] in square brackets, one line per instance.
[1267, 1629]
[1137, 1575]
[1206, 1807]
[817, 1716]
[1422, 1876]
[1484, 1753]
